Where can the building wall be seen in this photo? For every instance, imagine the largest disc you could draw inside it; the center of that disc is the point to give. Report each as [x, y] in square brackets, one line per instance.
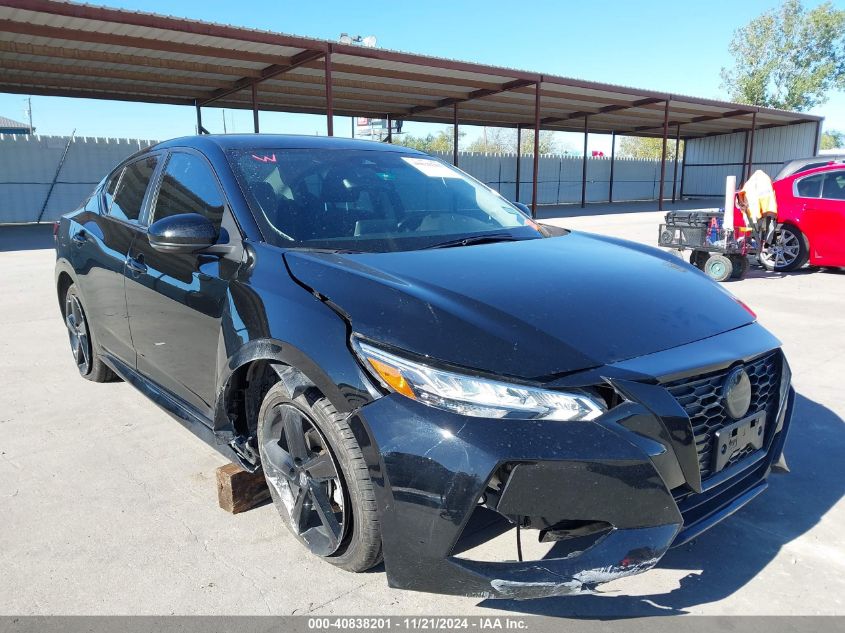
[711, 159]
[28, 166]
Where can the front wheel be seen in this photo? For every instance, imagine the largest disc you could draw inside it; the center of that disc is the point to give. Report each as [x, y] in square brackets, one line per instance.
[318, 478]
[718, 267]
[787, 251]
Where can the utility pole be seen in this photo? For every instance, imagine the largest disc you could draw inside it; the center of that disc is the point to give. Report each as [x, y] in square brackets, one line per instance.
[29, 112]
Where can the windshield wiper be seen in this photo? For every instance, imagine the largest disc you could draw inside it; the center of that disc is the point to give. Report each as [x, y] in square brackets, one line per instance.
[488, 238]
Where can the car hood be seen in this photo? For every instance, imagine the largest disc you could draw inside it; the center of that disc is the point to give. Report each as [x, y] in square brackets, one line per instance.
[532, 309]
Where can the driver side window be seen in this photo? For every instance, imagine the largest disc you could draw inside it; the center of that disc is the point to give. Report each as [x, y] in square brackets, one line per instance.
[188, 186]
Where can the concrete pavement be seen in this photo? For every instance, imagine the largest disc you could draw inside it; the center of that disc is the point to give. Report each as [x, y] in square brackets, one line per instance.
[108, 506]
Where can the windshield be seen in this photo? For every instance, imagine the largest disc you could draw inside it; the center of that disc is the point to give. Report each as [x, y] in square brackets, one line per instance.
[370, 200]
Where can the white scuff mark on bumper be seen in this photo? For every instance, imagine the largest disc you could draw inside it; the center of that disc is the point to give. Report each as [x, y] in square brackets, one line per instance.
[612, 572]
[520, 590]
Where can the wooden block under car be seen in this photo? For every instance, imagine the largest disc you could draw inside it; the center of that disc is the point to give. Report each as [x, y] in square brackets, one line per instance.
[239, 490]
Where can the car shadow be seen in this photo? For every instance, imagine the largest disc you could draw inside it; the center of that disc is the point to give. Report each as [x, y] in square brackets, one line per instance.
[735, 551]
[26, 237]
[758, 272]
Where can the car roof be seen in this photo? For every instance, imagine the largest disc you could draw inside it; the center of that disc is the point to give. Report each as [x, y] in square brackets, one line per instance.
[799, 164]
[839, 166]
[279, 141]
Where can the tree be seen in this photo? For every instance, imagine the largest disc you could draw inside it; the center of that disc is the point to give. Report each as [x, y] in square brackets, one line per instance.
[833, 140]
[788, 58]
[648, 148]
[498, 140]
[431, 143]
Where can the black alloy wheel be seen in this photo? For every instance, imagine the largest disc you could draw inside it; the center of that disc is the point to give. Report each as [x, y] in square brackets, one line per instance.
[303, 473]
[82, 343]
[317, 475]
[77, 329]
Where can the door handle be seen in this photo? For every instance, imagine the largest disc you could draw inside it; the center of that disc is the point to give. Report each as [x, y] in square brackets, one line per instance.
[79, 238]
[137, 267]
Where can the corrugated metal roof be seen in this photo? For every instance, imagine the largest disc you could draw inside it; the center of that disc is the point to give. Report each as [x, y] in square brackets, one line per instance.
[10, 126]
[61, 48]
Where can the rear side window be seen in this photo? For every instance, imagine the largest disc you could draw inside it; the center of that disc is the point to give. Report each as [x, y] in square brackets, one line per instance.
[189, 186]
[834, 185]
[810, 187]
[809, 166]
[128, 197]
[109, 189]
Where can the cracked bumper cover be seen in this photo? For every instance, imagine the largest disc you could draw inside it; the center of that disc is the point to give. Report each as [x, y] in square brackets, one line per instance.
[431, 467]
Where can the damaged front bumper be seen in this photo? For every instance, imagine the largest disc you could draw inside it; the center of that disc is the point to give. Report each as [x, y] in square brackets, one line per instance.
[612, 494]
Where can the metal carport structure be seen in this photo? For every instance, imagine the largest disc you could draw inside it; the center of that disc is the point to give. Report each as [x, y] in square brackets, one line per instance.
[50, 47]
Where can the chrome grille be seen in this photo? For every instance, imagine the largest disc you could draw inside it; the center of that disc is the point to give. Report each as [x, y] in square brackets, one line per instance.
[701, 398]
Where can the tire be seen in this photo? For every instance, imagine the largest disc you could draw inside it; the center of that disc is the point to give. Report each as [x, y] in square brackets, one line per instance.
[82, 344]
[790, 250]
[698, 258]
[315, 471]
[718, 267]
[740, 266]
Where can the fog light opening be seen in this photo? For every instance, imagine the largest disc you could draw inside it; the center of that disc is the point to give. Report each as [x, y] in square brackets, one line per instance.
[492, 537]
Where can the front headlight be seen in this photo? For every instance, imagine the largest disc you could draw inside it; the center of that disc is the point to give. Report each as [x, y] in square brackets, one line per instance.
[472, 396]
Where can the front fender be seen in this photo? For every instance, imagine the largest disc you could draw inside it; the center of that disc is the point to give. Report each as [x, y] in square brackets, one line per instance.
[345, 395]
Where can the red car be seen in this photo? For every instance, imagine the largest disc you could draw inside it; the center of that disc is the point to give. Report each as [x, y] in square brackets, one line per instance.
[811, 215]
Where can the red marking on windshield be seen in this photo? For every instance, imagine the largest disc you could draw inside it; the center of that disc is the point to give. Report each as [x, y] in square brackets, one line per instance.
[265, 159]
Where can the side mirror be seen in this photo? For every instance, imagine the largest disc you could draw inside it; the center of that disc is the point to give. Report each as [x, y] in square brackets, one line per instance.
[182, 233]
[523, 207]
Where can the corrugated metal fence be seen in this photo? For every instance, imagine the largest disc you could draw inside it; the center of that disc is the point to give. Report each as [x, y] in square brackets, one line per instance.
[559, 179]
[29, 164]
[711, 159]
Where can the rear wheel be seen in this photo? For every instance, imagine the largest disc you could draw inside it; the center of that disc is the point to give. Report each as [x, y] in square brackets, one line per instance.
[318, 479]
[718, 267]
[698, 258]
[82, 346]
[740, 266]
[787, 251]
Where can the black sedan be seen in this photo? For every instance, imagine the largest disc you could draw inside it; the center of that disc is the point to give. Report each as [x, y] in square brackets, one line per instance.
[418, 366]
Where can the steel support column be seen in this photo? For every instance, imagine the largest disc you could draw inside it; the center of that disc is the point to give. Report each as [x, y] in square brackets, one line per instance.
[584, 164]
[683, 171]
[200, 128]
[612, 161]
[255, 108]
[745, 158]
[536, 150]
[389, 128]
[455, 135]
[751, 144]
[329, 100]
[518, 158]
[663, 156]
[677, 150]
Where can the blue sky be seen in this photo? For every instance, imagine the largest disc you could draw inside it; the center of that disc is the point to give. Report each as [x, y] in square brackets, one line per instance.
[676, 47]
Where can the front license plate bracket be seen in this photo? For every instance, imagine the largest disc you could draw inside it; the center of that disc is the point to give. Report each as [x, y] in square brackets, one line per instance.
[736, 438]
